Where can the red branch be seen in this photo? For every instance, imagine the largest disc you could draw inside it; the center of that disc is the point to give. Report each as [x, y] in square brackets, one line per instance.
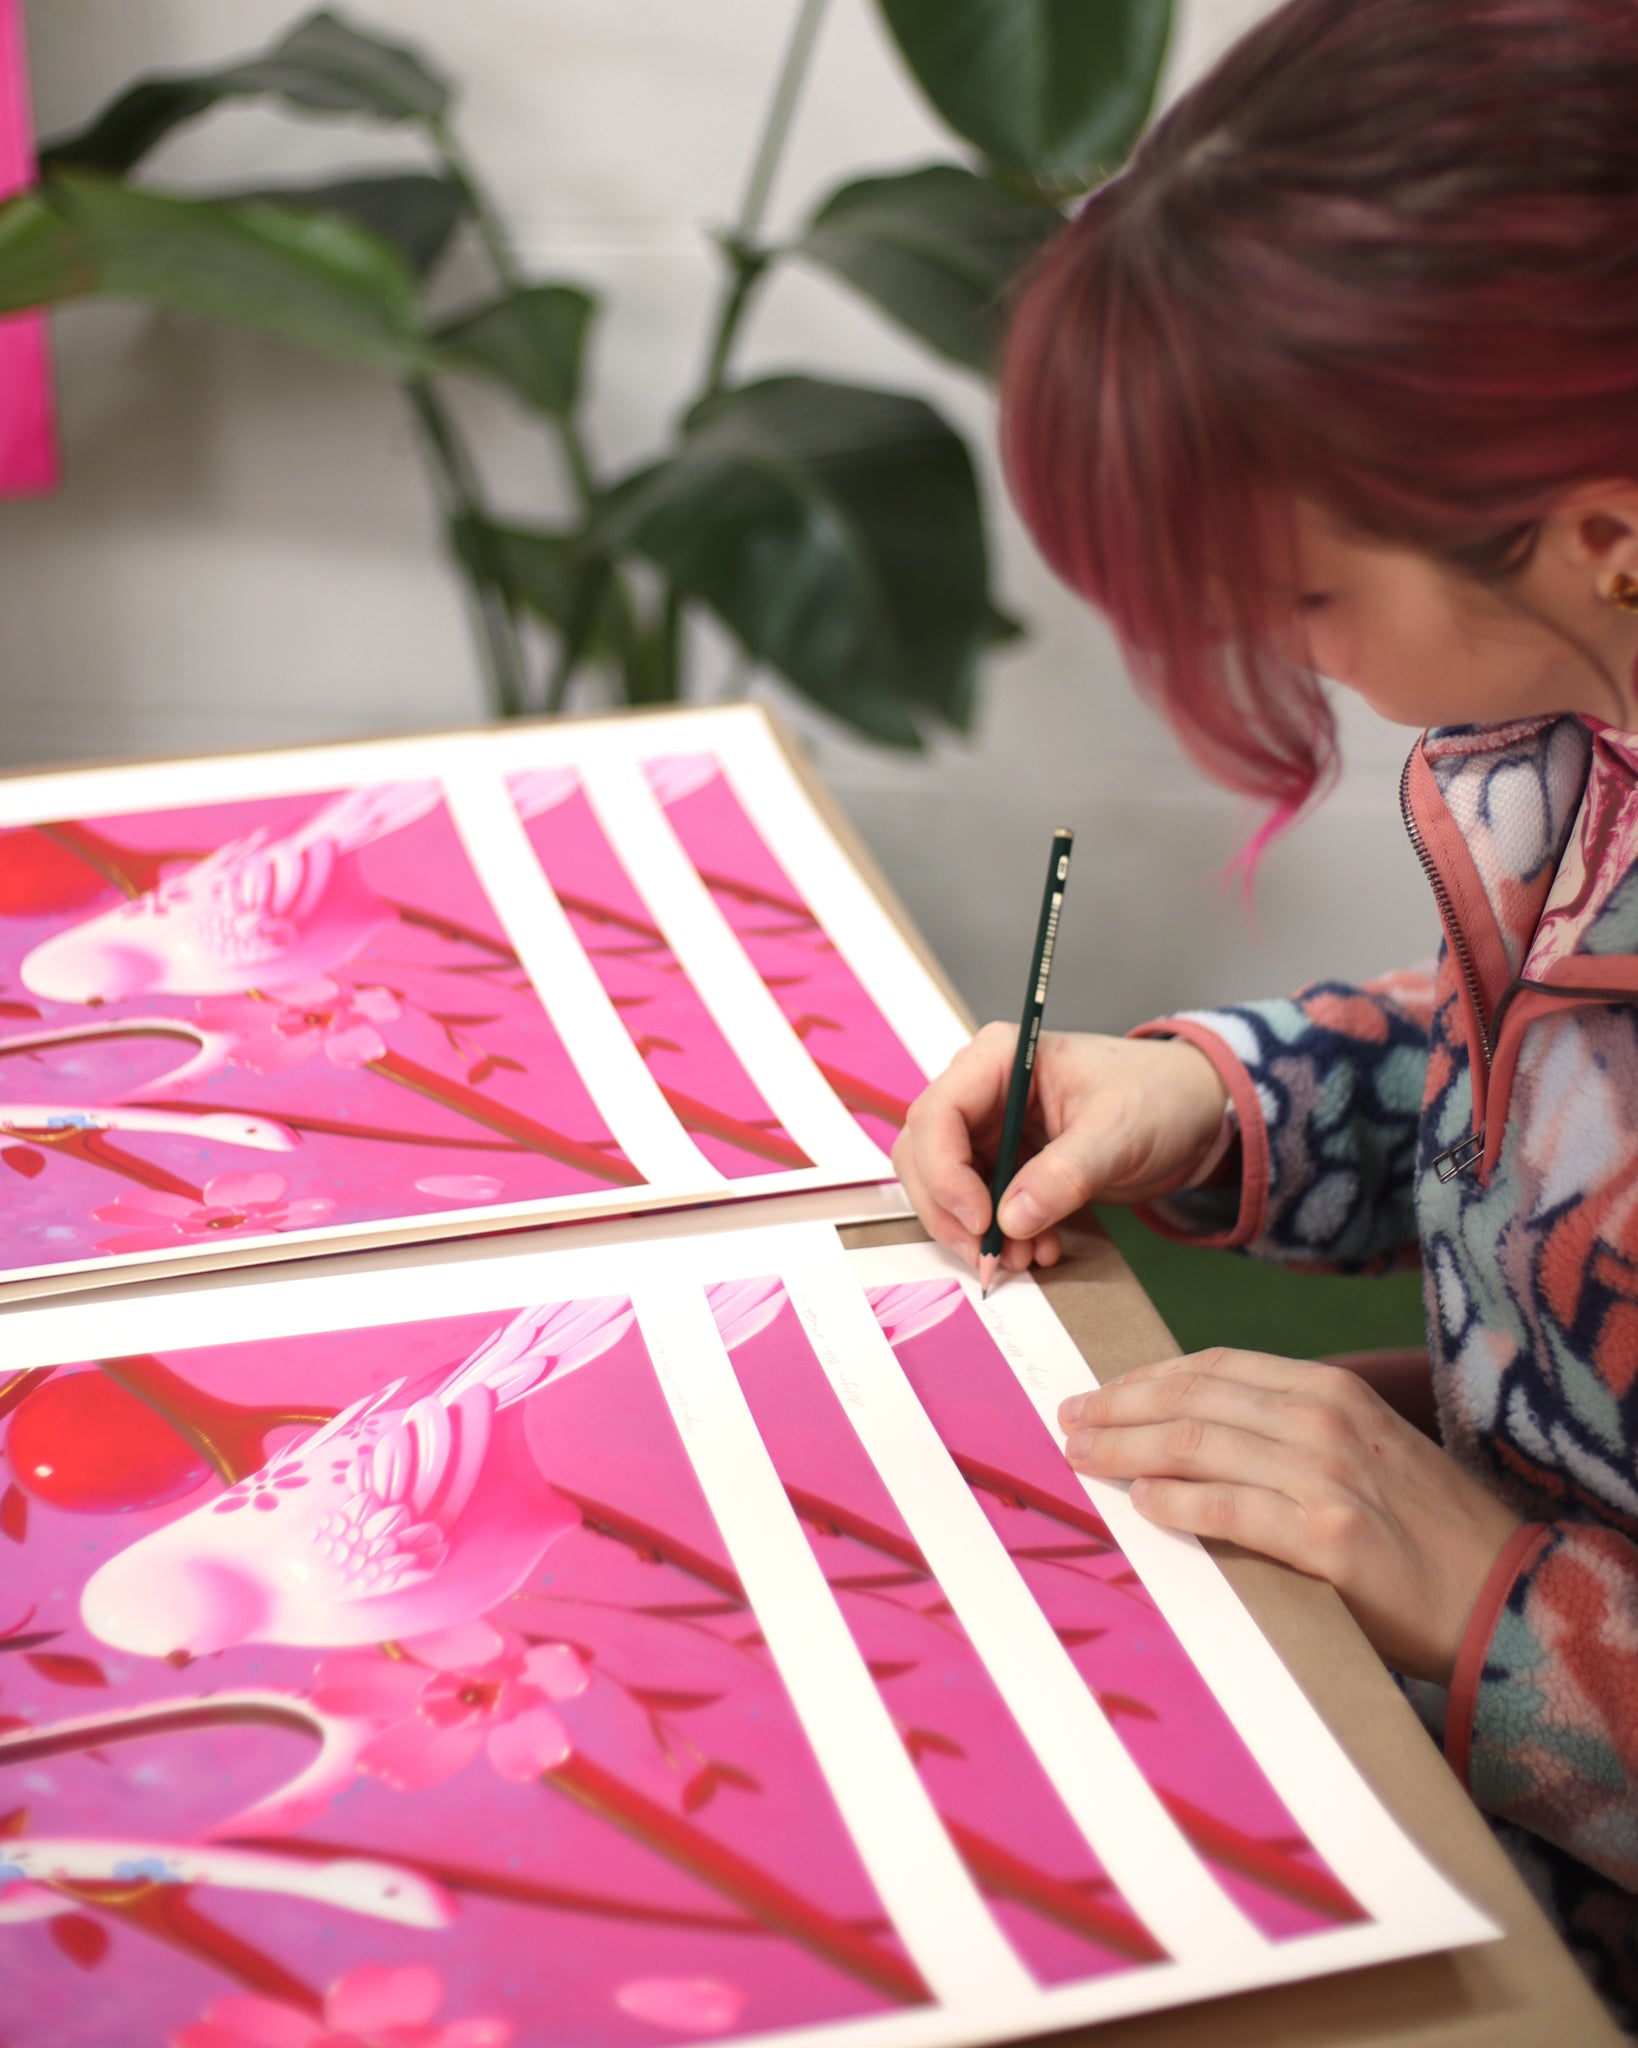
[1272, 1868]
[726, 1871]
[511, 1123]
[1004, 1875]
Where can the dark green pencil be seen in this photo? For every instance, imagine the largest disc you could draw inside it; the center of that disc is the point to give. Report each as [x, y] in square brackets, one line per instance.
[1023, 1060]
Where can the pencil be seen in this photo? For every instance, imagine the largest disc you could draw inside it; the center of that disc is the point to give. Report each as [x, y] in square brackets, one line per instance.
[1023, 1059]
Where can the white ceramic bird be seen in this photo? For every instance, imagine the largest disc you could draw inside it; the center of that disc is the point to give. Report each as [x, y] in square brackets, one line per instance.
[256, 912]
[416, 1509]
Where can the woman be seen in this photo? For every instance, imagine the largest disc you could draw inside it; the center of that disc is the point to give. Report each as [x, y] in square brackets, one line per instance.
[1340, 379]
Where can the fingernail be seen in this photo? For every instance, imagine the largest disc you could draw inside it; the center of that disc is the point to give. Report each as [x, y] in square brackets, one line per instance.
[1078, 1447]
[1069, 1412]
[1021, 1214]
[974, 1216]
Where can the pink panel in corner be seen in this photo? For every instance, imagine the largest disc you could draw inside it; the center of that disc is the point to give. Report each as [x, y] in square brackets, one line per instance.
[28, 443]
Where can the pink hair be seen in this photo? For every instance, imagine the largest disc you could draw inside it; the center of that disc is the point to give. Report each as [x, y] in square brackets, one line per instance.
[1385, 257]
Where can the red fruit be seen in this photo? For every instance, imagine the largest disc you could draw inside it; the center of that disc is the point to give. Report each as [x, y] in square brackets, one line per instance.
[82, 1442]
[38, 876]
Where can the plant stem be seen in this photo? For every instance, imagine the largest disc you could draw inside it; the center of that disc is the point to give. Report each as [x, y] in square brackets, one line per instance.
[485, 218]
[458, 490]
[748, 261]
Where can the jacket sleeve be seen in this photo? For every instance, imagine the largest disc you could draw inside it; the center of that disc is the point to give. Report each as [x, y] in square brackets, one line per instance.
[1327, 1086]
[1543, 1718]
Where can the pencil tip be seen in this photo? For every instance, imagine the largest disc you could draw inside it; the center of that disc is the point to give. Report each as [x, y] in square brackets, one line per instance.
[987, 1269]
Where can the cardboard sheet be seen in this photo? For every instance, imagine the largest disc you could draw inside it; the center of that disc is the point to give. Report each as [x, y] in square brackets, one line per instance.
[699, 1640]
[270, 1004]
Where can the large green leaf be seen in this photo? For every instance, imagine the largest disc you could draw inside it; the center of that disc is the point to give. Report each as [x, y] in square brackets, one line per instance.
[539, 570]
[324, 65]
[417, 211]
[530, 340]
[839, 535]
[41, 258]
[934, 248]
[1057, 90]
[310, 278]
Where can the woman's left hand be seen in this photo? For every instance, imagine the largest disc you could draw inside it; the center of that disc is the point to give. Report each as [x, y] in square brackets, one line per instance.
[1306, 1464]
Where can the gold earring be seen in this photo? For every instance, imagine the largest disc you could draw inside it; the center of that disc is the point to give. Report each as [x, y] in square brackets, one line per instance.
[1624, 592]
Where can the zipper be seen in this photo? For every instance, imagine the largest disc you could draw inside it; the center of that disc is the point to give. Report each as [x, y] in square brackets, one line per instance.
[1458, 1158]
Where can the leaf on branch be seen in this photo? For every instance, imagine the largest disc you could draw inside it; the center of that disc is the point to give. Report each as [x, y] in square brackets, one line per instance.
[1056, 91]
[14, 1518]
[416, 211]
[922, 1741]
[731, 1774]
[64, 1669]
[15, 1822]
[1114, 1703]
[542, 571]
[82, 1939]
[838, 533]
[480, 1072]
[668, 1702]
[531, 341]
[13, 1009]
[310, 278]
[934, 248]
[323, 66]
[23, 1159]
[700, 1790]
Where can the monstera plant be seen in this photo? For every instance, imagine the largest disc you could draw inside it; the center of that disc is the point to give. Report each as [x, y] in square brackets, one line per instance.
[836, 532]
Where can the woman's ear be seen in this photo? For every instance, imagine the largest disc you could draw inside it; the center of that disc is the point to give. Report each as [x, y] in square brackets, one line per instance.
[1591, 536]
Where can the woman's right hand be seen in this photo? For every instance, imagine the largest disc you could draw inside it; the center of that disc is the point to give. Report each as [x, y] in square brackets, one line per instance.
[1112, 1119]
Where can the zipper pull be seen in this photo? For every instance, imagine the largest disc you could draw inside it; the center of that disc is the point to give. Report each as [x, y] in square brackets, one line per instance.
[1460, 1157]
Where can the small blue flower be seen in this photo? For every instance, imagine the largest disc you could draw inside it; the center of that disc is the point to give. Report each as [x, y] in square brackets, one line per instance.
[154, 1867]
[11, 1873]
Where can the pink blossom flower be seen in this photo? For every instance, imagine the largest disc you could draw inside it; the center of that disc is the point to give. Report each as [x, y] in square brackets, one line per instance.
[232, 1201]
[440, 1704]
[688, 2005]
[907, 1310]
[372, 2007]
[301, 1018]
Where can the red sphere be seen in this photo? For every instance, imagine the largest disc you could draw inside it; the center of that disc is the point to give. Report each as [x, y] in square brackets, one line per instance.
[82, 1441]
[37, 876]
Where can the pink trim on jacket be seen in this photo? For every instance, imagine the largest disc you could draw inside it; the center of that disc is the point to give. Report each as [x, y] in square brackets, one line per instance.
[1254, 1172]
[1513, 1557]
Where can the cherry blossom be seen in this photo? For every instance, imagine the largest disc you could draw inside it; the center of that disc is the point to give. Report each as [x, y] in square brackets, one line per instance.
[440, 1705]
[686, 2005]
[372, 2007]
[232, 1201]
[300, 1019]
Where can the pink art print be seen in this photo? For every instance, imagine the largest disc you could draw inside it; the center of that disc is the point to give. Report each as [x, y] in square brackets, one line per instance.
[1148, 1688]
[695, 1068]
[1043, 1882]
[849, 1040]
[396, 1685]
[28, 443]
[245, 1019]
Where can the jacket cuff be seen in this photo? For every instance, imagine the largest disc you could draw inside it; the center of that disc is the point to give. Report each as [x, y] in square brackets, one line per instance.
[1171, 1220]
[1514, 1557]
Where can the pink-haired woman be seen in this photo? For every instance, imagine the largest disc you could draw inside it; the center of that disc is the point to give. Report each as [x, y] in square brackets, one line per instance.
[1340, 379]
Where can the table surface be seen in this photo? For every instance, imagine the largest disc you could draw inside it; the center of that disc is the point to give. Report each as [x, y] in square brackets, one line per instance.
[1523, 1991]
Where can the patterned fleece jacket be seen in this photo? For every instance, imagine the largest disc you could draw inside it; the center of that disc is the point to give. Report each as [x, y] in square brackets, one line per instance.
[1485, 1111]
